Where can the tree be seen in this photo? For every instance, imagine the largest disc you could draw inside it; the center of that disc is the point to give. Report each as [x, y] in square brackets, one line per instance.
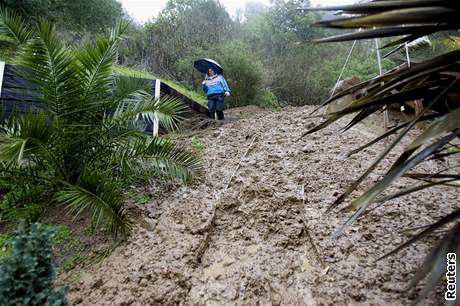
[81, 15]
[253, 8]
[278, 36]
[87, 15]
[29, 8]
[183, 26]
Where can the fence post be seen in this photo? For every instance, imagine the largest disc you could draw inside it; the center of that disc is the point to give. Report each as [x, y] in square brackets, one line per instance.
[155, 115]
[2, 72]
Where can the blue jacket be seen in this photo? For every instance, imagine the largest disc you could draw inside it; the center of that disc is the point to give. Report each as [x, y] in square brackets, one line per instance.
[215, 85]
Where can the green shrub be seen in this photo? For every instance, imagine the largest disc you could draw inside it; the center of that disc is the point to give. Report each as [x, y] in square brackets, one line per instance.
[21, 198]
[27, 276]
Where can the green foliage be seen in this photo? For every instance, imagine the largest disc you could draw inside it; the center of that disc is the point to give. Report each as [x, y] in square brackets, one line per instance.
[72, 262]
[267, 57]
[29, 8]
[5, 250]
[365, 67]
[14, 33]
[87, 15]
[82, 15]
[182, 26]
[285, 17]
[27, 276]
[87, 140]
[21, 197]
[139, 197]
[297, 73]
[62, 234]
[197, 144]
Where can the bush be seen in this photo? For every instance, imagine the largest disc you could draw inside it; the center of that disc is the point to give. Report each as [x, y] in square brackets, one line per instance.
[242, 70]
[27, 276]
[21, 198]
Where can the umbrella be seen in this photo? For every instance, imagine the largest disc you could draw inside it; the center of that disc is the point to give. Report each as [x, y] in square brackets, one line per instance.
[202, 65]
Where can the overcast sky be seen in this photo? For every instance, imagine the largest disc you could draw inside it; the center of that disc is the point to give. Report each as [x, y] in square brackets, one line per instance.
[143, 10]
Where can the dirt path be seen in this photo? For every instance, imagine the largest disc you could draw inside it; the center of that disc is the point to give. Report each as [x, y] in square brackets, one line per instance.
[258, 250]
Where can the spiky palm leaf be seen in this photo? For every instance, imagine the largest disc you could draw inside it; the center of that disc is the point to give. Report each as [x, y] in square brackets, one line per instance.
[159, 155]
[47, 63]
[99, 194]
[96, 64]
[14, 31]
[27, 141]
[436, 81]
[414, 18]
[142, 106]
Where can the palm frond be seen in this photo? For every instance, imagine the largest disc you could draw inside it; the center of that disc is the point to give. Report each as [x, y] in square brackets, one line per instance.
[420, 187]
[388, 133]
[363, 202]
[96, 64]
[415, 19]
[125, 87]
[143, 106]
[446, 124]
[86, 140]
[47, 63]
[434, 265]
[14, 28]
[27, 140]
[421, 30]
[102, 196]
[173, 162]
[161, 156]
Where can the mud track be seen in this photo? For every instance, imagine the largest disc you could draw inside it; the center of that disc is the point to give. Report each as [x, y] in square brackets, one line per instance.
[266, 240]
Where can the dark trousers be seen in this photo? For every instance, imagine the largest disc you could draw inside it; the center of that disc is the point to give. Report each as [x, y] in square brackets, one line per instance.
[216, 105]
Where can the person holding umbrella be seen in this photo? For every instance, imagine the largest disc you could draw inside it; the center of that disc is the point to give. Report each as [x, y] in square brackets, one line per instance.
[214, 85]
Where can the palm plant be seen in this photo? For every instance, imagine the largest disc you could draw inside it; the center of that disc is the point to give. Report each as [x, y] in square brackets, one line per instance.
[436, 81]
[86, 141]
[14, 31]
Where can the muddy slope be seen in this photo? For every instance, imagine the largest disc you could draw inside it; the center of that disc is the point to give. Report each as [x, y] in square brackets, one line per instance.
[269, 242]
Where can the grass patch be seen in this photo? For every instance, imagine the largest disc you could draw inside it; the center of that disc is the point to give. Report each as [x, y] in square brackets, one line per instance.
[126, 71]
[198, 145]
[139, 197]
[5, 250]
[63, 234]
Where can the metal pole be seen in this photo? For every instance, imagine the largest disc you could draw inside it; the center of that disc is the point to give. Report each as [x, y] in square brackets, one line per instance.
[343, 68]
